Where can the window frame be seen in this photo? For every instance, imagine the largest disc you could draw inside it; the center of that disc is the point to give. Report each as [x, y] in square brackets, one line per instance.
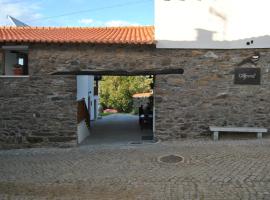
[8, 48]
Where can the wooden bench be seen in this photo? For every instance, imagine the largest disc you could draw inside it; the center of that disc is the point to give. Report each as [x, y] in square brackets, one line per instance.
[216, 130]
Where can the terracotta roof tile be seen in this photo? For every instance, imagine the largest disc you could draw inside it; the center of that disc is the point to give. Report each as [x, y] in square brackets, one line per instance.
[112, 35]
[143, 95]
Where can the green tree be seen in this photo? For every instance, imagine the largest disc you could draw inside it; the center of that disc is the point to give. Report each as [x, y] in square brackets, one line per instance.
[116, 91]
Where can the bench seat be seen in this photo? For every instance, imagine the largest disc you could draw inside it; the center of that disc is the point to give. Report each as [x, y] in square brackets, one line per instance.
[217, 129]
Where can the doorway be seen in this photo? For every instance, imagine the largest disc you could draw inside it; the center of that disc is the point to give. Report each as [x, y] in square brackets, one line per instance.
[124, 112]
[95, 108]
[93, 77]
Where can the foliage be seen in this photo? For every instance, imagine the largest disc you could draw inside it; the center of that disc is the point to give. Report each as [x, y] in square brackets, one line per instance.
[103, 114]
[116, 91]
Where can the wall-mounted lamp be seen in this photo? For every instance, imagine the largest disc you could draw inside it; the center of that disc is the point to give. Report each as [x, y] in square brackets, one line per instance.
[252, 59]
[256, 57]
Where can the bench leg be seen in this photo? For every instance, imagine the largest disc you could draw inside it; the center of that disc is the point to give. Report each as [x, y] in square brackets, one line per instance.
[259, 135]
[215, 135]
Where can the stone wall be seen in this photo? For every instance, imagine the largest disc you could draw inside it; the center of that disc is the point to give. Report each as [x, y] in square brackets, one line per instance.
[49, 59]
[1, 62]
[185, 104]
[38, 111]
[206, 94]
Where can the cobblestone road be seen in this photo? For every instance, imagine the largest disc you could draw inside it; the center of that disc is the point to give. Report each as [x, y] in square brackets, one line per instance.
[238, 169]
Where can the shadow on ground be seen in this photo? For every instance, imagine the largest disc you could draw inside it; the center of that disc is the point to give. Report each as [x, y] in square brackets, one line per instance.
[116, 129]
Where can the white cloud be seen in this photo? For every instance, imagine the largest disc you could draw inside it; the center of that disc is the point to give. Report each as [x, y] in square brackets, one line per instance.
[111, 23]
[24, 11]
[119, 23]
[86, 21]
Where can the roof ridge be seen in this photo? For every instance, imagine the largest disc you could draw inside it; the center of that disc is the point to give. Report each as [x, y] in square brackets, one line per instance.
[74, 27]
[117, 35]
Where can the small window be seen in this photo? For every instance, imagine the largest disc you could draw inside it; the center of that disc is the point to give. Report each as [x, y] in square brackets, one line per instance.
[21, 61]
[96, 88]
[15, 63]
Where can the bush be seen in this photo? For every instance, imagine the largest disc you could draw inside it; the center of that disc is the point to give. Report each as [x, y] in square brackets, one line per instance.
[116, 91]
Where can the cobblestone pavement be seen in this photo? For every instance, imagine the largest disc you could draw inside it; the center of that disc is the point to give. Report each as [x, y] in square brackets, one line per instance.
[228, 169]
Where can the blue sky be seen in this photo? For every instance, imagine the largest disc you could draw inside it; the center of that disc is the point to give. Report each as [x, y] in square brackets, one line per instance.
[86, 12]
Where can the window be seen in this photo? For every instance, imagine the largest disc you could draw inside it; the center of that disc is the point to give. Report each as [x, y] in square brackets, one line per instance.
[15, 61]
[96, 79]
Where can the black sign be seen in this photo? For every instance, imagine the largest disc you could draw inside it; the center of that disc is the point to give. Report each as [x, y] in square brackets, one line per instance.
[247, 76]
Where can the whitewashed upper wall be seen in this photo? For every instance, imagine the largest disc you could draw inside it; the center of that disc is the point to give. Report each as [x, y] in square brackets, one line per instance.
[218, 24]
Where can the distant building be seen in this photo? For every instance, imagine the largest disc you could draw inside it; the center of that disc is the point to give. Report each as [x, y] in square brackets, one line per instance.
[141, 99]
[212, 24]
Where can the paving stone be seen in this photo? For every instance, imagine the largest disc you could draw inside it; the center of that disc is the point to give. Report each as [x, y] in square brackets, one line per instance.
[211, 170]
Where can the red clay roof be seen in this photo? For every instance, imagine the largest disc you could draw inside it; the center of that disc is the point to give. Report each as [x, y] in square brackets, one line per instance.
[108, 35]
[143, 95]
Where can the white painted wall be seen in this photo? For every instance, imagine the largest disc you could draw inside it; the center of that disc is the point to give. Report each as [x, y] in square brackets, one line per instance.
[85, 88]
[83, 91]
[83, 131]
[91, 87]
[212, 23]
[97, 110]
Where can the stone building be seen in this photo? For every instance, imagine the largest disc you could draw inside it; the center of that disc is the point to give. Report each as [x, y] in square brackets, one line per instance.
[193, 88]
[141, 99]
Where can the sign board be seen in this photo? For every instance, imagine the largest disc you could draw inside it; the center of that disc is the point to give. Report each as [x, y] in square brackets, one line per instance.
[247, 76]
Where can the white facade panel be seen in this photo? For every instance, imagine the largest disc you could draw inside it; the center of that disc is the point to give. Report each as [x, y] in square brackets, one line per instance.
[83, 132]
[85, 89]
[224, 24]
